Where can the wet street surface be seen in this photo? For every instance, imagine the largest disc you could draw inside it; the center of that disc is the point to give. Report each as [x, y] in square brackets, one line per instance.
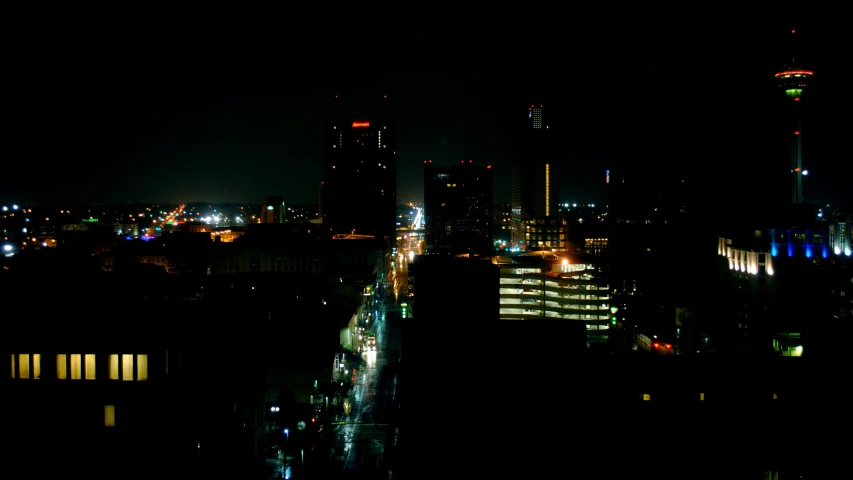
[359, 444]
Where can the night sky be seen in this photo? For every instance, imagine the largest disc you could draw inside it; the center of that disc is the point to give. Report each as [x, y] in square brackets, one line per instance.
[155, 112]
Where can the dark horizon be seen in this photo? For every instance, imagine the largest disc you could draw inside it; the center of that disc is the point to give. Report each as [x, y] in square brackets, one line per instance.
[169, 121]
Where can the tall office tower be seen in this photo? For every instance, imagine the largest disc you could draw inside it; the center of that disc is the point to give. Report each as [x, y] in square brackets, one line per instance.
[273, 211]
[458, 204]
[320, 201]
[533, 172]
[794, 80]
[360, 176]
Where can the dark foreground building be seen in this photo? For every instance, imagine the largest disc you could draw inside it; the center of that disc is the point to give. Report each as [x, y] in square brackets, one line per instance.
[522, 399]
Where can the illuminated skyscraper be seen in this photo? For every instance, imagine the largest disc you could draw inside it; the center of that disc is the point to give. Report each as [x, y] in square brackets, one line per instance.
[794, 81]
[360, 176]
[533, 174]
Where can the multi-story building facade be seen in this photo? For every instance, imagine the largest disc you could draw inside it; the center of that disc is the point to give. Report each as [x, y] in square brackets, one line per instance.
[546, 234]
[555, 287]
[273, 210]
[159, 395]
[458, 203]
[782, 286]
[841, 236]
[533, 172]
[360, 176]
[360, 259]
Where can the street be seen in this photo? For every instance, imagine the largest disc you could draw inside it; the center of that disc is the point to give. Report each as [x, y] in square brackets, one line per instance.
[360, 439]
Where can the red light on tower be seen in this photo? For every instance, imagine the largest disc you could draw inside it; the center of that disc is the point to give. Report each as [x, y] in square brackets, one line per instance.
[794, 31]
[797, 132]
[796, 99]
[470, 161]
[489, 166]
[384, 96]
[790, 73]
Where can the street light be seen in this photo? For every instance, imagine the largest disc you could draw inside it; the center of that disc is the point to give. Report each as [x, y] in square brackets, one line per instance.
[286, 442]
[301, 427]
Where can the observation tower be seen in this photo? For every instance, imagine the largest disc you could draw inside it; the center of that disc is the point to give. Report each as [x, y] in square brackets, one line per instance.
[794, 81]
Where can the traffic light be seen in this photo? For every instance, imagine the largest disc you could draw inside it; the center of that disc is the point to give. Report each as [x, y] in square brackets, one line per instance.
[613, 320]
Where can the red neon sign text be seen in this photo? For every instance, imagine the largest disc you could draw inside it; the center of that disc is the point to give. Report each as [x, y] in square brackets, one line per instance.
[360, 124]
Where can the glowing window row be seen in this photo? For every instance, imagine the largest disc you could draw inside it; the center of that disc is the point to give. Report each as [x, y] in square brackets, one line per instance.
[78, 366]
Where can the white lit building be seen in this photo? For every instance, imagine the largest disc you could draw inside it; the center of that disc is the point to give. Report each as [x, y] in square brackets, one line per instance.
[785, 283]
[555, 287]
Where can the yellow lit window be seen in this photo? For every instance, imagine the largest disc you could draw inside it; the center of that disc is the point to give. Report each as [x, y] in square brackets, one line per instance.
[76, 366]
[36, 366]
[127, 367]
[142, 367]
[13, 365]
[90, 366]
[24, 366]
[62, 366]
[109, 415]
[647, 397]
[114, 367]
[701, 396]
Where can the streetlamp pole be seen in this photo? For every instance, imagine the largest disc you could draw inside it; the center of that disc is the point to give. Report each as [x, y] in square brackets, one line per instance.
[286, 442]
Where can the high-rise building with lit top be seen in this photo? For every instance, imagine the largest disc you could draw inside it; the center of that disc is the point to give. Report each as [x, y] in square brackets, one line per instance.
[533, 171]
[360, 176]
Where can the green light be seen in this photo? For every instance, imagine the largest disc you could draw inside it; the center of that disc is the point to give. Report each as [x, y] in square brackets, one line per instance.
[794, 92]
[613, 320]
[90, 220]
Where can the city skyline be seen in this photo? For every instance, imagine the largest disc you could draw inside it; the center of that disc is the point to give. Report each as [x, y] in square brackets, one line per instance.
[210, 270]
[146, 124]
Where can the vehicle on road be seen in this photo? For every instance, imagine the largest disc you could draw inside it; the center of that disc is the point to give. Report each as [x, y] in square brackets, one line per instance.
[654, 345]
